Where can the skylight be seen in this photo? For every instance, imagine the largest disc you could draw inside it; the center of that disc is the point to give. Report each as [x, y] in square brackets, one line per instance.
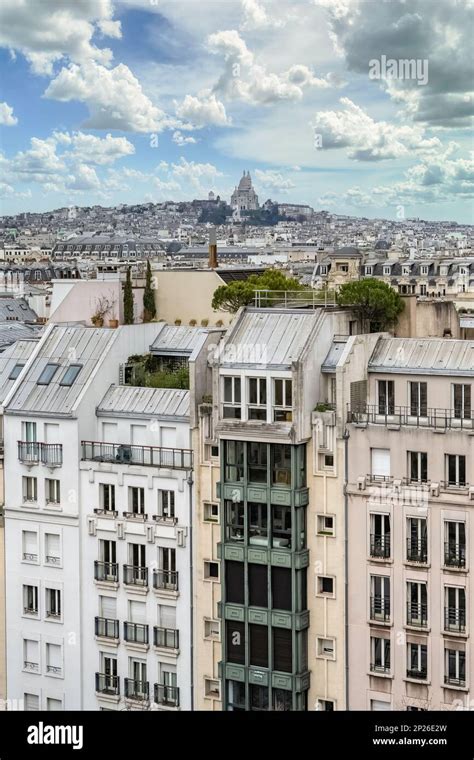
[15, 371]
[47, 374]
[71, 374]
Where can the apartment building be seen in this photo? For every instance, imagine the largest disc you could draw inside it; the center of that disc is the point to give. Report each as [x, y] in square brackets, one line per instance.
[410, 500]
[47, 413]
[273, 583]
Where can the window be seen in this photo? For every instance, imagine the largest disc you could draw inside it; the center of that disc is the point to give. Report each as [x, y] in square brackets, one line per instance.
[54, 666]
[235, 641]
[70, 375]
[234, 518]
[52, 491]
[136, 500]
[325, 648]
[379, 655]
[234, 582]
[417, 661]
[47, 374]
[212, 688]
[282, 650]
[30, 600]
[31, 656]
[166, 505]
[456, 470]
[234, 461]
[281, 588]
[387, 271]
[212, 630]
[325, 525]
[328, 460]
[53, 705]
[380, 463]
[405, 271]
[380, 598]
[52, 548]
[232, 398]
[31, 702]
[282, 400]
[30, 489]
[454, 544]
[257, 516]
[380, 536]
[417, 466]
[107, 497]
[417, 604]
[418, 399]
[386, 396]
[53, 603]
[323, 269]
[257, 462]
[462, 401]
[455, 667]
[211, 512]
[257, 398]
[258, 649]
[424, 269]
[211, 570]
[369, 270]
[281, 464]
[29, 432]
[454, 609]
[235, 696]
[325, 585]
[325, 705]
[258, 585]
[30, 546]
[417, 540]
[15, 371]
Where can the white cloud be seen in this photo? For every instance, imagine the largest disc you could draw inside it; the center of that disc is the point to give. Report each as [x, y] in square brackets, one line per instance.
[95, 150]
[256, 16]
[274, 180]
[194, 172]
[46, 31]
[181, 140]
[6, 115]
[84, 178]
[368, 140]
[204, 110]
[114, 97]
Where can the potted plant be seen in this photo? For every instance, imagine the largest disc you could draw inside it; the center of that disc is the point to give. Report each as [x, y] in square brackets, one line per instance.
[204, 322]
[177, 322]
[102, 307]
[113, 321]
[193, 322]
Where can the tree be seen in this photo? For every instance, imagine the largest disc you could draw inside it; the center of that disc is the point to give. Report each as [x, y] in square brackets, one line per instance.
[149, 308]
[128, 299]
[374, 301]
[242, 292]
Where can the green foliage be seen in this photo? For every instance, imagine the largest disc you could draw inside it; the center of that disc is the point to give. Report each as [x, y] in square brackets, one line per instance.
[128, 299]
[149, 308]
[264, 216]
[215, 215]
[164, 379]
[374, 301]
[242, 292]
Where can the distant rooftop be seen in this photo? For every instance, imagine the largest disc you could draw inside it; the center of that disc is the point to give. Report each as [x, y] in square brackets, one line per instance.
[177, 340]
[427, 356]
[123, 400]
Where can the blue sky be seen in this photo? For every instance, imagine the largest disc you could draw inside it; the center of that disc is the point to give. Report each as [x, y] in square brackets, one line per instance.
[129, 101]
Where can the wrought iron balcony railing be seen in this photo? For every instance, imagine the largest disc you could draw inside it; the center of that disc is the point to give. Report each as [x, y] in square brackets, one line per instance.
[50, 454]
[454, 555]
[437, 418]
[417, 550]
[106, 571]
[166, 580]
[455, 619]
[137, 689]
[108, 628]
[165, 637]
[417, 614]
[135, 633]
[380, 545]
[380, 608]
[166, 695]
[107, 684]
[135, 575]
[146, 456]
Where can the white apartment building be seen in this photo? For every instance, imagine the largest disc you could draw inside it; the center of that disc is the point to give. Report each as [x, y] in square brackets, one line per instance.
[410, 501]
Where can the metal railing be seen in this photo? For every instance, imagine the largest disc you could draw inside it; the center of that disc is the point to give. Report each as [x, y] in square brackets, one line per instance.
[454, 555]
[420, 674]
[166, 695]
[137, 689]
[54, 669]
[375, 668]
[50, 454]
[289, 299]
[165, 637]
[135, 516]
[380, 608]
[108, 628]
[135, 575]
[107, 684]
[146, 456]
[106, 512]
[417, 614]
[437, 418]
[30, 557]
[165, 519]
[106, 571]
[33, 666]
[380, 545]
[453, 681]
[52, 560]
[165, 579]
[30, 610]
[455, 619]
[417, 550]
[135, 632]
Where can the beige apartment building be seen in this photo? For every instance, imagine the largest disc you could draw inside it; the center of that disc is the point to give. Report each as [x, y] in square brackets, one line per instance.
[410, 497]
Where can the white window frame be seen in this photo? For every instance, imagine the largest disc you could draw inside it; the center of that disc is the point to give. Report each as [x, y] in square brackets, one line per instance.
[285, 408]
[233, 382]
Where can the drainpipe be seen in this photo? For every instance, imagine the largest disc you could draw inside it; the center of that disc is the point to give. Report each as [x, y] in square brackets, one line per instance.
[190, 482]
[346, 562]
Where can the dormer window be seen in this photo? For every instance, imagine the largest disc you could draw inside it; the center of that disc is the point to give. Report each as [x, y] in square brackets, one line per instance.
[406, 271]
[387, 271]
[369, 269]
[323, 269]
[424, 269]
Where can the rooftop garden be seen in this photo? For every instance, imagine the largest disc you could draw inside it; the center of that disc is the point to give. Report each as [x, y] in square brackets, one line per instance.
[150, 371]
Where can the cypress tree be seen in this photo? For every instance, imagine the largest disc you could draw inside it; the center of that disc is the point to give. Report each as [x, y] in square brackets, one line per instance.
[128, 299]
[149, 308]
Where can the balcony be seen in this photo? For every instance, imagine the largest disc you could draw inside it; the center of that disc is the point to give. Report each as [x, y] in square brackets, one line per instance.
[417, 550]
[106, 572]
[455, 620]
[420, 674]
[380, 609]
[139, 690]
[417, 615]
[380, 546]
[397, 416]
[107, 684]
[135, 575]
[165, 580]
[31, 667]
[455, 555]
[168, 638]
[167, 696]
[105, 512]
[165, 519]
[107, 628]
[50, 454]
[145, 456]
[136, 633]
[140, 516]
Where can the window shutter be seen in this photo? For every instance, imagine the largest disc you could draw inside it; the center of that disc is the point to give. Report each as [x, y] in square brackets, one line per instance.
[31, 702]
[167, 616]
[30, 542]
[358, 396]
[108, 607]
[380, 462]
[138, 612]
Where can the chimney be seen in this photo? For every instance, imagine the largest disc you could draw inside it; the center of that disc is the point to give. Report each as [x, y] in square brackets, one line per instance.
[212, 248]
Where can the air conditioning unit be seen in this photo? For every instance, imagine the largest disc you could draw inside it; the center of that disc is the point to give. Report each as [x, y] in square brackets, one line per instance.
[92, 525]
[361, 484]
[120, 530]
[150, 534]
[434, 489]
[471, 492]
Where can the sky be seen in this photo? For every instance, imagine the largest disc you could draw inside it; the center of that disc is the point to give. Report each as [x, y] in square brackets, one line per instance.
[360, 107]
